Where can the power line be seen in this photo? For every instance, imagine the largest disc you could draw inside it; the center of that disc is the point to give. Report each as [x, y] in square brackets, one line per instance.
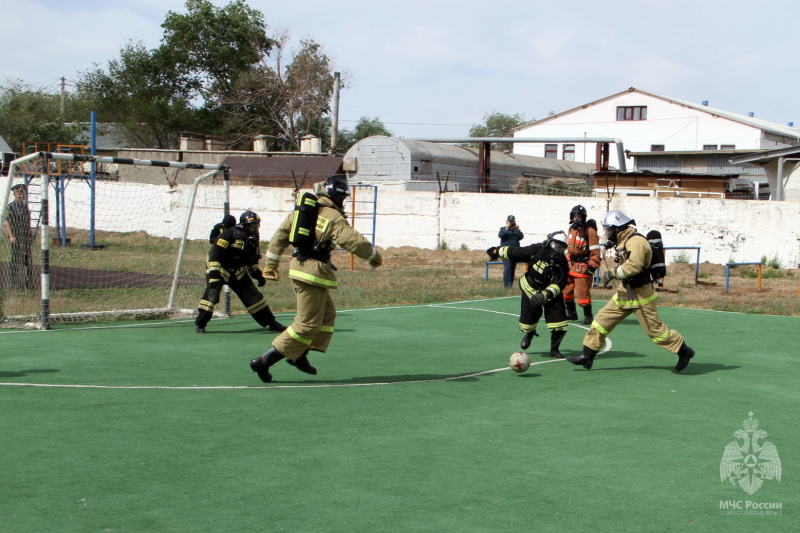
[409, 123]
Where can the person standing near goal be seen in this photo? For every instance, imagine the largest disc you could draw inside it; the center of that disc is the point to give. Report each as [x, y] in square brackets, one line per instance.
[17, 226]
[312, 274]
[233, 261]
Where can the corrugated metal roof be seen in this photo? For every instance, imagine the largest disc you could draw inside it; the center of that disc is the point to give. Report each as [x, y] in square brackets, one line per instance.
[767, 156]
[716, 161]
[460, 155]
[283, 170]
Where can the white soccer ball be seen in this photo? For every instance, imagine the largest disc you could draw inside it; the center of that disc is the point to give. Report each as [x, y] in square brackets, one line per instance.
[519, 362]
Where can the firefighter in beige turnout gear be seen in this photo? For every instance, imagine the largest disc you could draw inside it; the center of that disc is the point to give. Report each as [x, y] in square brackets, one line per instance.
[313, 276]
[635, 295]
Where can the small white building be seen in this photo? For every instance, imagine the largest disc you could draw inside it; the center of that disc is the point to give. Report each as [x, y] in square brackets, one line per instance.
[647, 122]
[429, 166]
[6, 156]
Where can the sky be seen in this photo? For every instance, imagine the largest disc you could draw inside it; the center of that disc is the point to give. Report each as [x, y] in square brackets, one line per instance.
[433, 69]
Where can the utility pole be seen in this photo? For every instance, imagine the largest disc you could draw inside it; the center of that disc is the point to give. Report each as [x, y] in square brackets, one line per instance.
[63, 94]
[337, 82]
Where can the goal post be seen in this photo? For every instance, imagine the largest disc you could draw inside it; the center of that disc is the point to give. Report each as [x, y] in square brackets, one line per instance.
[145, 244]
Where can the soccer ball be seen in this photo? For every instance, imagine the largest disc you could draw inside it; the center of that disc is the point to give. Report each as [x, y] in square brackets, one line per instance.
[519, 362]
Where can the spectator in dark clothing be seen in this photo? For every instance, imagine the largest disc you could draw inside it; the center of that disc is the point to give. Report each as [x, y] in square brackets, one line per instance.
[510, 235]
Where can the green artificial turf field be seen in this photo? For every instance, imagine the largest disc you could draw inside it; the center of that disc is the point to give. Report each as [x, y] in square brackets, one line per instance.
[414, 423]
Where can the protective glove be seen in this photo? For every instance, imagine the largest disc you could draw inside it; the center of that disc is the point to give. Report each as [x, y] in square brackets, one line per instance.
[608, 275]
[215, 232]
[590, 271]
[259, 277]
[539, 298]
[271, 274]
[376, 261]
[492, 253]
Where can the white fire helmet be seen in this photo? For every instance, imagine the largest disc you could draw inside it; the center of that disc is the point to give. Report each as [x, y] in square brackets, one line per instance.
[557, 241]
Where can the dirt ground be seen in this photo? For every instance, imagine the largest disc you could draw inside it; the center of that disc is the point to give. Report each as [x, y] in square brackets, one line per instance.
[779, 293]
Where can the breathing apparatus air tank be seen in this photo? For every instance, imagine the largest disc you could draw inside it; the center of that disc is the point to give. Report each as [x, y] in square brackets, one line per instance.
[303, 233]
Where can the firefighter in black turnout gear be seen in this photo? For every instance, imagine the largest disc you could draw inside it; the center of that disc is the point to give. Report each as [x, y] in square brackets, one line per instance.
[233, 260]
[541, 286]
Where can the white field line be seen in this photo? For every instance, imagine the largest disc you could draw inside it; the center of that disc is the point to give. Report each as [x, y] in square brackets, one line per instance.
[226, 387]
[312, 385]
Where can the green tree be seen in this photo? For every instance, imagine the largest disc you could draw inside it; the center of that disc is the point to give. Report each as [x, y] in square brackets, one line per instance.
[28, 114]
[284, 97]
[144, 94]
[154, 94]
[213, 46]
[366, 127]
[498, 125]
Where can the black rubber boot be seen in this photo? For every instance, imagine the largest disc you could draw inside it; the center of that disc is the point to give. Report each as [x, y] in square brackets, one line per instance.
[587, 315]
[202, 320]
[684, 355]
[585, 359]
[555, 341]
[303, 365]
[526, 340]
[572, 313]
[276, 326]
[260, 365]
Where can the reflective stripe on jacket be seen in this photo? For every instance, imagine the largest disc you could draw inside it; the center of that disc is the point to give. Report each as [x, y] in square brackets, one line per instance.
[332, 230]
[634, 256]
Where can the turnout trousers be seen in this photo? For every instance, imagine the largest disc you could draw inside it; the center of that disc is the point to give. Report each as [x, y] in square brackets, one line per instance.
[612, 314]
[555, 315]
[313, 325]
[579, 290]
[251, 297]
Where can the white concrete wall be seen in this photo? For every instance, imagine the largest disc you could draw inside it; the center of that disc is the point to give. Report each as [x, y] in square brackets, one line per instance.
[740, 230]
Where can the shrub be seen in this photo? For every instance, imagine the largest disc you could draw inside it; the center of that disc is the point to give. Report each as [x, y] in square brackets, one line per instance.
[772, 262]
[682, 257]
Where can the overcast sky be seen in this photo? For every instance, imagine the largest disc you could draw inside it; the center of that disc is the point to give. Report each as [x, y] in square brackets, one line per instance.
[434, 68]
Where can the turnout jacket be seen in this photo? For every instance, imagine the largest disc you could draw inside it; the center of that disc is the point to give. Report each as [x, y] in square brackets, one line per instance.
[634, 257]
[583, 251]
[332, 230]
[547, 269]
[231, 251]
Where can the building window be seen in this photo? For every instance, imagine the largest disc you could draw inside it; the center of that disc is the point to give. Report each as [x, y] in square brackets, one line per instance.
[656, 147]
[569, 152]
[728, 147]
[710, 147]
[551, 150]
[634, 112]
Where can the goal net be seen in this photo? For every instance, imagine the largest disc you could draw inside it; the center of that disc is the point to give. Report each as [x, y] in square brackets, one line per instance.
[91, 246]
